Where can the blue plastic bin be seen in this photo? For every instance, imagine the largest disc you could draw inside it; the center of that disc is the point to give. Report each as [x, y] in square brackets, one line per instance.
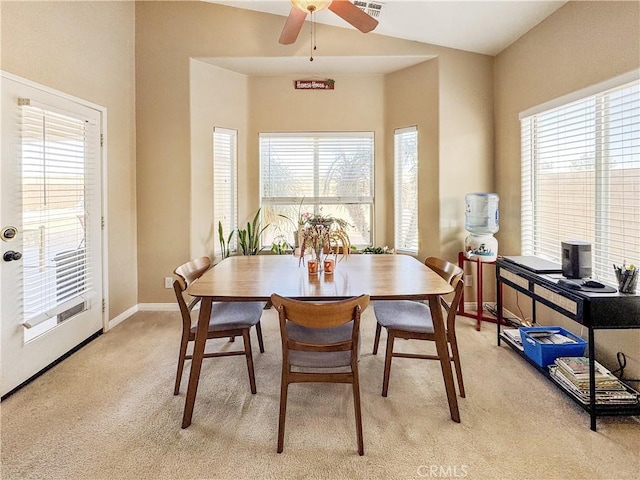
[544, 354]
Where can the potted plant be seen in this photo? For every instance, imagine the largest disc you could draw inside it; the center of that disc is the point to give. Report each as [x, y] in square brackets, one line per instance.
[249, 238]
[323, 234]
[225, 244]
[280, 245]
[377, 250]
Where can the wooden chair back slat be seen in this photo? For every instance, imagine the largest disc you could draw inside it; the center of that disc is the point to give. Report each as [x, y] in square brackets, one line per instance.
[192, 270]
[446, 270]
[320, 315]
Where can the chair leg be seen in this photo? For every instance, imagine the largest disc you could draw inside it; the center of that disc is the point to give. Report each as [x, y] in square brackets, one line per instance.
[456, 362]
[387, 362]
[284, 387]
[259, 332]
[247, 353]
[358, 410]
[181, 357]
[377, 339]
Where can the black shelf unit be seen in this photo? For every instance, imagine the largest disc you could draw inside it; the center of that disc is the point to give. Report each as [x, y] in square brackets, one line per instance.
[593, 310]
[601, 409]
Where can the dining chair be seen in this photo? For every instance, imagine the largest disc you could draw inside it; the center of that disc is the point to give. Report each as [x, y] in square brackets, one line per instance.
[412, 320]
[228, 319]
[318, 341]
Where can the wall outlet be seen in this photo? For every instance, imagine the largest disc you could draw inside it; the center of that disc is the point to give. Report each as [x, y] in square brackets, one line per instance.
[468, 280]
[168, 282]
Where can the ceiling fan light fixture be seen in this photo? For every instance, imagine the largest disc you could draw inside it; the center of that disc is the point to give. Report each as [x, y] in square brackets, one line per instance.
[311, 5]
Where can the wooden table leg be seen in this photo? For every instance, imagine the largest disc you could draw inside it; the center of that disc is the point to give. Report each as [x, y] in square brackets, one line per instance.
[443, 354]
[196, 361]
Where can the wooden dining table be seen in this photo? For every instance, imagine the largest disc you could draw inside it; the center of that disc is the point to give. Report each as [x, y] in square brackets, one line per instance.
[255, 278]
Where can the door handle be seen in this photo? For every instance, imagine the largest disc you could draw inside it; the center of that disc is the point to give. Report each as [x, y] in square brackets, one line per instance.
[10, 255]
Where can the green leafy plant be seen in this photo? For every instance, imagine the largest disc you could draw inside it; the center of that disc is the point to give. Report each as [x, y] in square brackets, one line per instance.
[224, 244]
[280, 245]
[249, 238]
[377, 250]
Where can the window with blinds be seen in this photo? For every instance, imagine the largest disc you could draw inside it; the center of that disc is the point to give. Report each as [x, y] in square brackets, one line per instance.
[328, 172]
[225, 189]
[581, 178]
[56, 186]
[406, 189]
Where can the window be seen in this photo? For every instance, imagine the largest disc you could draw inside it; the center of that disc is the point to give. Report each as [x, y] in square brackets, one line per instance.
[59, 167]
[225, 191]
[328, 173]
[406, 189]
[581, 177]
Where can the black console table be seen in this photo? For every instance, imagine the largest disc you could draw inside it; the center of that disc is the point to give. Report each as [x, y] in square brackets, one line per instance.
[594, 310]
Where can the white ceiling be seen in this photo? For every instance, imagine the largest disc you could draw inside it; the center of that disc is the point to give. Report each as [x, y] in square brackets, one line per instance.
[475, 26]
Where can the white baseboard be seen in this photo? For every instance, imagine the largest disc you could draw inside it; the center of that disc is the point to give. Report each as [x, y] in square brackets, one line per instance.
[158, 307]
[142, 307]
[122, 317]
[470, 306]
[474, 305]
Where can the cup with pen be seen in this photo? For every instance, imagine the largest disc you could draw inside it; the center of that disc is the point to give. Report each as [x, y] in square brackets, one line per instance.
[627, 278]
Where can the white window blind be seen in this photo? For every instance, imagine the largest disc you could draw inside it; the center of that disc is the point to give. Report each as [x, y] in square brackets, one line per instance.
[581, 178]
[225, 191]
[328, 172]
[56, 192]
[406, 189]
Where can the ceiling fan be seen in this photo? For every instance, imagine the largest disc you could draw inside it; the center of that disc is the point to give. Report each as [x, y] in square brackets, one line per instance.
[343, 8]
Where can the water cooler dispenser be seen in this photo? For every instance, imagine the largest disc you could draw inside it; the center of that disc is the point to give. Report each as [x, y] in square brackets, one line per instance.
[481, 221]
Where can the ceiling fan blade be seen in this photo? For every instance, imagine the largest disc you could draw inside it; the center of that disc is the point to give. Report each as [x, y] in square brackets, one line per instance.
[292, 26]
[353, 15]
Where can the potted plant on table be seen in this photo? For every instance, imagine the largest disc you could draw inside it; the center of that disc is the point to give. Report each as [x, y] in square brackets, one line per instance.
[323, 234]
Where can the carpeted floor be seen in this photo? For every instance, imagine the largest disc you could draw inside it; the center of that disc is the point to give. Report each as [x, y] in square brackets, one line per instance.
[108, 412]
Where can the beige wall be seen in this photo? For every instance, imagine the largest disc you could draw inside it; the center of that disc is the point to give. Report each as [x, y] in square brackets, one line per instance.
[451, 100]
[218, 98]
[466, 141]
[582, 44]
[412, 98]
[168, 34]
[356, 104]
[86, 49]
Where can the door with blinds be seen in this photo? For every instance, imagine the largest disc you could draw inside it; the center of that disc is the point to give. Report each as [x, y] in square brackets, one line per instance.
[51, 227]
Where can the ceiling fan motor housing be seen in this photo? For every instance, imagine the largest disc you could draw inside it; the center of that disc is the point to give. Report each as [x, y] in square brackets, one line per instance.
[311, 5]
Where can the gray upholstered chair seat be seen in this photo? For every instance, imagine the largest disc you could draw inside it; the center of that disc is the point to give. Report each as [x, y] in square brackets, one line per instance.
[232, 315]
[319, 335]
[404, 315]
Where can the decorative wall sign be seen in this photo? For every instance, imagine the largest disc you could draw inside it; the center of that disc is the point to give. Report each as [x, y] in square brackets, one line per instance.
[327, 84]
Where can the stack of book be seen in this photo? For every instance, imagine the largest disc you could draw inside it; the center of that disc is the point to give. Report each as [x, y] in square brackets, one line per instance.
[513, 335]
[572, 373]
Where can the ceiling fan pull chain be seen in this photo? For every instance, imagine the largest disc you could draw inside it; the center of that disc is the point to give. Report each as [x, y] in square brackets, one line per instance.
[313, 37]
